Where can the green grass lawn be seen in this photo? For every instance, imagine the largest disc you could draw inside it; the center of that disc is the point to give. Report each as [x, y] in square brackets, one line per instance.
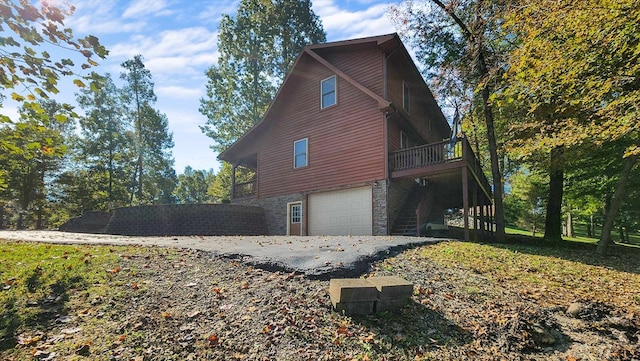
[580, 234]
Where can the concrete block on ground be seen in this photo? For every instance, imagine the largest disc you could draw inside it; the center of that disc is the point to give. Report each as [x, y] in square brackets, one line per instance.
[351, 290]
[359, 308]
[392, 287]
[391, 305]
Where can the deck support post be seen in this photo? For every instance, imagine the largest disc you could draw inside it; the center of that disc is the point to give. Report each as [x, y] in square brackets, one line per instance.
[476, 220]
[233, 180]
[465, 202]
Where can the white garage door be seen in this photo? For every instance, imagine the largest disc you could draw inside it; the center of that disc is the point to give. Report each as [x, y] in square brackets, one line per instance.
[339, 213]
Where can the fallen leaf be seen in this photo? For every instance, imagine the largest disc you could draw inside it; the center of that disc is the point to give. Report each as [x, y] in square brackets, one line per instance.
[134, 285]
[166, 314]
[213, 341]
[193, 314]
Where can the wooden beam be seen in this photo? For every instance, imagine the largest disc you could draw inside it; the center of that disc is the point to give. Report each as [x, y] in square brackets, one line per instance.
[465, 202]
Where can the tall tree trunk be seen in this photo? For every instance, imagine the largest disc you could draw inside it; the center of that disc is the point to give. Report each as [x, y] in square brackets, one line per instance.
[476, 41]
[495, 168]
[616, 202]
[569, 224]
[590, 230]
[553, 219]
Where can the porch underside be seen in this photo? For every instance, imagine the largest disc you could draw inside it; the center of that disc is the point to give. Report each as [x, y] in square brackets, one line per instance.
[456, 174]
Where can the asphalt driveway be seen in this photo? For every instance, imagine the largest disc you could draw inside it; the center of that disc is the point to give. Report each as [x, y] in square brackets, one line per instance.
[315, 256]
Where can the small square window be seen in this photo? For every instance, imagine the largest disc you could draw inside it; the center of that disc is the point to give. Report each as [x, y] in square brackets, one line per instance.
[328, 92]
[300, 150]
[405, 96]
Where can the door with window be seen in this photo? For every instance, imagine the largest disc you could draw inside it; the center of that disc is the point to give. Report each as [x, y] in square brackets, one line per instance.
[294, 214]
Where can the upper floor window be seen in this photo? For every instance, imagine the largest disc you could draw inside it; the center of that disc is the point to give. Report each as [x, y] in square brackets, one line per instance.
[405, 96]
[300, 151]
[404, 140]
[328, 92]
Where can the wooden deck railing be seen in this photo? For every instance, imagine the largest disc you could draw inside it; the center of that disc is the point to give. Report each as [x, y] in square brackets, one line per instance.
[436, 153]
[428, 154]
[244, 189]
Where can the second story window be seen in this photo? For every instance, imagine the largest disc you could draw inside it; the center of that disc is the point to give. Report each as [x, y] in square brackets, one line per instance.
[404, 140]
[328, 92]
[405, 96]
[300, 151]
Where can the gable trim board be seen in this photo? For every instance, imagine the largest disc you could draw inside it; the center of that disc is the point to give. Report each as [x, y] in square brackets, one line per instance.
[343, 212]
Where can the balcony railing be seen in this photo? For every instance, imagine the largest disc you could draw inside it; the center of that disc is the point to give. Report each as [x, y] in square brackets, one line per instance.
[244, 189]
[428, 154]
[437, 153]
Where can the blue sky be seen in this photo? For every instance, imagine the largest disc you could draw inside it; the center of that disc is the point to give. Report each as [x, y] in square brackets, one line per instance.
[177, 39]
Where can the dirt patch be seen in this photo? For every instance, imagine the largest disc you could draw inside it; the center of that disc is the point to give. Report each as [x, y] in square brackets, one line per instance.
[189, 305]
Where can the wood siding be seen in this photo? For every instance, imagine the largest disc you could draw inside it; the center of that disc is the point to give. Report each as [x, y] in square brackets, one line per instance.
[345, 141]
[424, 114]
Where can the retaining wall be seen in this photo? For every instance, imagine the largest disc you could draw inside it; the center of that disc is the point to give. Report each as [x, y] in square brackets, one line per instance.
[184, 220]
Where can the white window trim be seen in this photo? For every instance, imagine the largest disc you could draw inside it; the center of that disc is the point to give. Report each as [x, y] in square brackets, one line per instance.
[335, 93]
[406, 98]
[306, 152]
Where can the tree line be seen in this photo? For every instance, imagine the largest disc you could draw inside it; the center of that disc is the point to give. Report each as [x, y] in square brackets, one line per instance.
[549, 91]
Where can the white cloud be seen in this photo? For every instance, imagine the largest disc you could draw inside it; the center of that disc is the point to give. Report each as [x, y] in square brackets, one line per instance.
[341, 23]
[142, 8]
[178, 92]
[183, 51]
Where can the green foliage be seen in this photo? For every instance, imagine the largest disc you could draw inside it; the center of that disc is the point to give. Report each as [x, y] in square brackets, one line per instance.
[461, 46]
[153, 178]
[220, 189]
[35, 147]
[257, 48]
[104, 149]
[525, 203]
[25, 28]
[193, 186]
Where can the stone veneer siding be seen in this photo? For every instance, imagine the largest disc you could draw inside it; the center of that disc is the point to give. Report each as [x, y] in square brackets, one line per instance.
[275, 211]
[275, 208]
[398, 191]
[380, 208]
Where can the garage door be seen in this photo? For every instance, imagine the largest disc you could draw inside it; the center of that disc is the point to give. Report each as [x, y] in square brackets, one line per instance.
[338, 213]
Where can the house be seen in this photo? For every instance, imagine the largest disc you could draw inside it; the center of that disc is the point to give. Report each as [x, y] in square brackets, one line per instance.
[353, 144]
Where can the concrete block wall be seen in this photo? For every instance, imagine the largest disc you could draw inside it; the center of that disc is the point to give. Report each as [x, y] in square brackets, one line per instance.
[173, 220]
[89, 222]
[357, 296]
[187, 219]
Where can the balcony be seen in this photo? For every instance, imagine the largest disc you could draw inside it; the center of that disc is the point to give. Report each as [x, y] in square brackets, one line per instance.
[438, 160]
[244, 189]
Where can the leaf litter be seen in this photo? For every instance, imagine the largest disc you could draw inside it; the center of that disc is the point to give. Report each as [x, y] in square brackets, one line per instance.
[194, 306]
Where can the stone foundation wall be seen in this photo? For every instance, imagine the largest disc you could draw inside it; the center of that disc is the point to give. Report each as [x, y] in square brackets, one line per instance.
[275, 211]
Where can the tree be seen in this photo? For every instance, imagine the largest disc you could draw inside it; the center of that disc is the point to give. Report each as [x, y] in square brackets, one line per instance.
[152, 141]
[193, 186]
[104, 147]
[463, 38]
[257, 48]
[35, 147]
[582, 58]
[525, 202]
[25, 64]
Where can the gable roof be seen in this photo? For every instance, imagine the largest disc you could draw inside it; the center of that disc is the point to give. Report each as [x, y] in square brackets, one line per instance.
[387, 43]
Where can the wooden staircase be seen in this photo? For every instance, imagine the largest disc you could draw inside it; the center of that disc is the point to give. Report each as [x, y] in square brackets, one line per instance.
[406, 223]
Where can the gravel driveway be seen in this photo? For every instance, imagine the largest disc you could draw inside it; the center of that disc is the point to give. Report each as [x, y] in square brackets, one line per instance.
[317, 256]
